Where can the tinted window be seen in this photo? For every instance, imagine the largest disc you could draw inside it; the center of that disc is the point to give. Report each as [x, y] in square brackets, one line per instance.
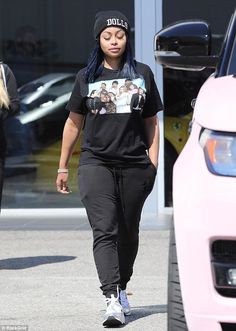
[43, 42]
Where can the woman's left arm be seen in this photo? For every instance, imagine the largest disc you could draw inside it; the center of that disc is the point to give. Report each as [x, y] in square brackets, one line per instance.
[152, 133]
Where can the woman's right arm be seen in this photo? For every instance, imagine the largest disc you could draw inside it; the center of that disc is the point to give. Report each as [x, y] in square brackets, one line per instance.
[71, 133]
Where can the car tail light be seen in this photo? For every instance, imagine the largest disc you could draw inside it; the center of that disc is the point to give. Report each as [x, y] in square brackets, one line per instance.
[220, 152]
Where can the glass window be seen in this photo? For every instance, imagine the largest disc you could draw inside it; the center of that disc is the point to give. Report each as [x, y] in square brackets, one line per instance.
[45, 43]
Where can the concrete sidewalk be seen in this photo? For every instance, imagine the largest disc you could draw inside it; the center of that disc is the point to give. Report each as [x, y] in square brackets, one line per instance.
[49, 282]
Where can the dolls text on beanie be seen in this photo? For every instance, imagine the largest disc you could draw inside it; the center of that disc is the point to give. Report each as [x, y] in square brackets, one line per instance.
[105, 19]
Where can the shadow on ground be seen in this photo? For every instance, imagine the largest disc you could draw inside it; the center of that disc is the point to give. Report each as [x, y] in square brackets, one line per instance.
[32, 261]
[144, 311]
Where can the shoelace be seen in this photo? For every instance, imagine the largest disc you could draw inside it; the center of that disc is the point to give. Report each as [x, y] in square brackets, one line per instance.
[112, 300]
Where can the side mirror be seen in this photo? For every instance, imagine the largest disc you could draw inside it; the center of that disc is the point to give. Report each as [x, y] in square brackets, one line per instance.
[185, 45]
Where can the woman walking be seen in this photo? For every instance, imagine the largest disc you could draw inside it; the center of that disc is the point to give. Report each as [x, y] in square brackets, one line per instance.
[9, 105]
[119, 157]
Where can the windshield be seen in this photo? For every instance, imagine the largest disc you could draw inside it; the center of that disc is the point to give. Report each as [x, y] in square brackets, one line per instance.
[29, 88]
[232, 61]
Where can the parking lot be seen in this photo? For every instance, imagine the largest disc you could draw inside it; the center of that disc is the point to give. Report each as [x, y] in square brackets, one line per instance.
[49, 281]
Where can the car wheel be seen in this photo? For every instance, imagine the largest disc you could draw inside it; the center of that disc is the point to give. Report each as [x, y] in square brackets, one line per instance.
[176, 317]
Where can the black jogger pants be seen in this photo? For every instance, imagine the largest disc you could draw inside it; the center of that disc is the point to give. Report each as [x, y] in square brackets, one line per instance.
[1, 179]
[113, 198]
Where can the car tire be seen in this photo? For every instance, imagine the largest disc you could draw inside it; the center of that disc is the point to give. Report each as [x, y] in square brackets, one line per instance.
[176, 316]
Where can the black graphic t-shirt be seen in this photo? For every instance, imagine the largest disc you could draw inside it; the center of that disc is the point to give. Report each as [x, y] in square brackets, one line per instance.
[115, 109]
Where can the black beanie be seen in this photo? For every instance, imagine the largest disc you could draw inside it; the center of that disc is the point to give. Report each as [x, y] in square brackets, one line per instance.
[104, 19]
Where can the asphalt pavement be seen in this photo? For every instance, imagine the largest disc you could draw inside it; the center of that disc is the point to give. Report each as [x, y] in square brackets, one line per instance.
[49, 282]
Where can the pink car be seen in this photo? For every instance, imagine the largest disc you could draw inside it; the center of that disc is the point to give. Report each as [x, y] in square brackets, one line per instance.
[202, 256]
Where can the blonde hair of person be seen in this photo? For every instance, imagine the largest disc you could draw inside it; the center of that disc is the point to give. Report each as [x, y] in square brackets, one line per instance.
[4, 98]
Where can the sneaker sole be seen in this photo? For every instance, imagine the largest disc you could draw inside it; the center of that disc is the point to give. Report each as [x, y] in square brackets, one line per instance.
[112, 321]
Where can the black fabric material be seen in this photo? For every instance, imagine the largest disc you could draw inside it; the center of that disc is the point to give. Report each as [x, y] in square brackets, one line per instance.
[108, 18]
[113, 198]
[1, 179]
[13, 109]
[117, 136]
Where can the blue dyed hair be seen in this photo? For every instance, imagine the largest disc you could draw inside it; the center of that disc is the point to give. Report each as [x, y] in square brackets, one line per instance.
[95, 63]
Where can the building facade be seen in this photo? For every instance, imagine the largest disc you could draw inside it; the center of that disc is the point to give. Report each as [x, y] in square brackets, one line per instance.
[46, 42]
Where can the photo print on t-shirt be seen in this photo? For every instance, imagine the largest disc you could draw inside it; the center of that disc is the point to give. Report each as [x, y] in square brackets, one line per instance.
[116, 96]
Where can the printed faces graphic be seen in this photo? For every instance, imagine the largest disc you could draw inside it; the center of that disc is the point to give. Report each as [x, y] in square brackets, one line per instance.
[116, 96]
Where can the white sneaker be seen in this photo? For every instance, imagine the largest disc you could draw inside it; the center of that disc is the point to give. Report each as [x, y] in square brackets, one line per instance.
[125, 303]
[114, 315]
